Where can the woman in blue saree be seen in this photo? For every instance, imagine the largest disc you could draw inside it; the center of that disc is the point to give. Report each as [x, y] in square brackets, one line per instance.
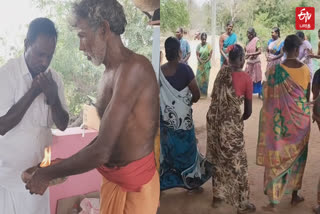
[181, 164]
[226, 39]
[274, 51]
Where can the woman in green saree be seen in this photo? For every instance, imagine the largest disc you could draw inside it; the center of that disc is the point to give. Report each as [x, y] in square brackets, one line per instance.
[204, 53]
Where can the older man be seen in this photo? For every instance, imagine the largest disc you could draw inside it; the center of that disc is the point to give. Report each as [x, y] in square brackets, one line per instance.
[31, 101]
[128, 104]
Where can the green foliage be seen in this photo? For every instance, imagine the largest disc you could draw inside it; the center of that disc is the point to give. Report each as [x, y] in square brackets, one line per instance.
[263, 15]
[174, 14]
[138, 35]
[80, 76]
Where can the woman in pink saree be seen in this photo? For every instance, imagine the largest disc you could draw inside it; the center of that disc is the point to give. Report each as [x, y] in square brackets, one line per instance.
[284, 126]
[253, 67]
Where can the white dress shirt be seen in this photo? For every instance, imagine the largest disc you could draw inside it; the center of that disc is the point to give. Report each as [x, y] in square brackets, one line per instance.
[23, 146]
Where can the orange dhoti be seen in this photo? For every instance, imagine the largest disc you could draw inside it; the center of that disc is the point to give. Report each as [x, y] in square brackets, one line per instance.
[133, 189]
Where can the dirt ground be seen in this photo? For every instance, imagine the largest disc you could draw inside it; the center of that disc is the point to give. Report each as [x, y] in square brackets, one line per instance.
[178, 201]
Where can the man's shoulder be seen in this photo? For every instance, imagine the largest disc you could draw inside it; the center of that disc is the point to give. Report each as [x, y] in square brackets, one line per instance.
[139, 63]
[138, 68]
[9, 68]
[185, 41]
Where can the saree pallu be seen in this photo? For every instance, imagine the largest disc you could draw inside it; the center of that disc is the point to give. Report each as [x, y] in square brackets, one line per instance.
[231, 40]
[253, 67]
[225, 143]
[284, 130]
[203, 71]
[181, 165]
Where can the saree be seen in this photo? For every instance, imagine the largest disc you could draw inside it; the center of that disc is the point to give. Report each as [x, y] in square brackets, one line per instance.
[316, 112]
[181, 164]
[225, 143]
[253, 67]
[316, 105]
[231, 40]
[284, 129]
[274, 47]
[203, 71]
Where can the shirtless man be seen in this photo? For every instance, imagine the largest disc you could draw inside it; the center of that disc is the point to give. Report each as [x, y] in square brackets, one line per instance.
[128, 105]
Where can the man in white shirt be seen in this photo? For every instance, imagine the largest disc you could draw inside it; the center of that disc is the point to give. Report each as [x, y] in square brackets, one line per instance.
[31, 101]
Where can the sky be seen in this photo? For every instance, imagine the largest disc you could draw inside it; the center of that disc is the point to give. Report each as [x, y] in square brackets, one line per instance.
[200, 2]
[15, 15]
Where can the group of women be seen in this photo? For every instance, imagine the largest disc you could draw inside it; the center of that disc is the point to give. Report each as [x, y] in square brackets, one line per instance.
[204, 53]
[284, 125]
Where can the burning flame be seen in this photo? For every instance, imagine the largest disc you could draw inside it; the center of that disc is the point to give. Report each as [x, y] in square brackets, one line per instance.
[47, 157]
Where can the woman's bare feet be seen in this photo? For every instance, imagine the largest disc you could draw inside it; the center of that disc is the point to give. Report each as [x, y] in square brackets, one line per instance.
[270, 208]
[216, 202]
[316, 210]
[250, 208]
[296, 199]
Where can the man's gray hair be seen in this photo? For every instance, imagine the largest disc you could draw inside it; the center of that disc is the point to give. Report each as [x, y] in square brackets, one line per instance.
[98, 11]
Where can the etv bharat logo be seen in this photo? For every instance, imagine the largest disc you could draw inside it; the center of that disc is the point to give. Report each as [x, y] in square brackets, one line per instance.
[305, 18]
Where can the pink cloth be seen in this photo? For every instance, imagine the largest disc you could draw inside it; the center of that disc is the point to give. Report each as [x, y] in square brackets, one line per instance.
[253, 67]
[90, 206]
[242, 84]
